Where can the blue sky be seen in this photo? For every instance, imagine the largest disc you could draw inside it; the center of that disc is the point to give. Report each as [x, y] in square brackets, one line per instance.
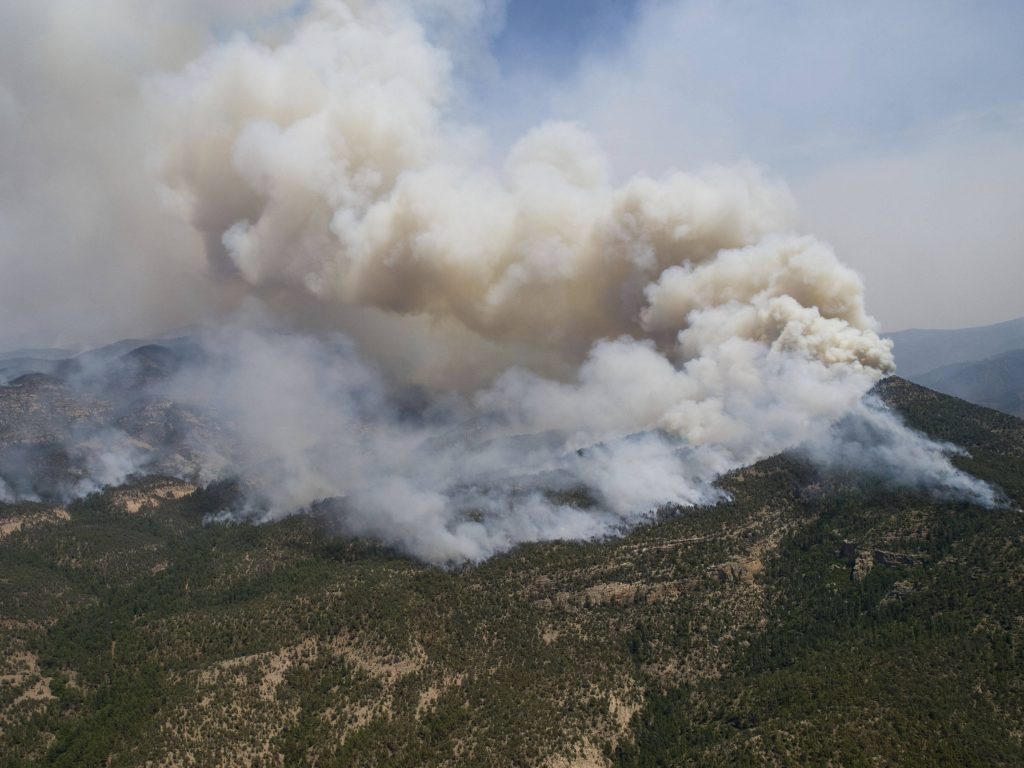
[899, 124]
[553, 36]
[788, 75]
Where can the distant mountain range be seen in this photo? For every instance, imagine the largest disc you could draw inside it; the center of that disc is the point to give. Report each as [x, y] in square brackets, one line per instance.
[921, 351]
[981, 365]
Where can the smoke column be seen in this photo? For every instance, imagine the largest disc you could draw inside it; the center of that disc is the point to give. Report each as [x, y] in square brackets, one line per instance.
[635, 338]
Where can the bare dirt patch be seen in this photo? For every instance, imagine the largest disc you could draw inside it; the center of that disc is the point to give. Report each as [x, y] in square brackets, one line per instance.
[133, 500]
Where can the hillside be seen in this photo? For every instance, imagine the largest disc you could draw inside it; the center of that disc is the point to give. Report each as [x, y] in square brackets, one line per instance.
[920, 351]
[60, 430]
[811, 620]
[982, 365]
[996, 382]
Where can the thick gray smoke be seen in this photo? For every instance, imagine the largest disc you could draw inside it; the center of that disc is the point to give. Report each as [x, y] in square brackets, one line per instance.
[623, 342]
[445, 479]
[453, 477]
[872, 439]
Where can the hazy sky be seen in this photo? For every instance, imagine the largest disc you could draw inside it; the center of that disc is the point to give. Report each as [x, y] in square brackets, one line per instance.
[898, 125]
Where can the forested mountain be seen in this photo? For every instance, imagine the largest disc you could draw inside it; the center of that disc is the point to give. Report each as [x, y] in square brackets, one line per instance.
[920, 351]
[983, 365]
[813, 619]
[997, 382]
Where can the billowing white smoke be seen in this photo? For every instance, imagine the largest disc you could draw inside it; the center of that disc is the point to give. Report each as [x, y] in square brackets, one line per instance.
[872, 439]
[110, 458]
[670, 329]
[446, 479]
[451, 478]
[326, 169]
[637, 339]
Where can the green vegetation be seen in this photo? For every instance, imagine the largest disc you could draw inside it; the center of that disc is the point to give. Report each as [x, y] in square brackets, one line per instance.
[809, 621]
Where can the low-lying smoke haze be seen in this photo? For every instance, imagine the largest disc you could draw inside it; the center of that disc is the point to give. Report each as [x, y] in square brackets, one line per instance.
[451, 352]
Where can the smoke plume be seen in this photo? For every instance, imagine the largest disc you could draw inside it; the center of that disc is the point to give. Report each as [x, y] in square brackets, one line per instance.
[584, 350]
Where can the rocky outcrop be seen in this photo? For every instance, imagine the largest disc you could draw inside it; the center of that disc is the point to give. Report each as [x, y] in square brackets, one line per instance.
[865, 559]
[898, 559]
[862, 565]
[739, 570]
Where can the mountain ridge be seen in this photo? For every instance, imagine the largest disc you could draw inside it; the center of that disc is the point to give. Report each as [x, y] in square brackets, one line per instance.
[921, 350]
[801, 622]
[996, 382]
